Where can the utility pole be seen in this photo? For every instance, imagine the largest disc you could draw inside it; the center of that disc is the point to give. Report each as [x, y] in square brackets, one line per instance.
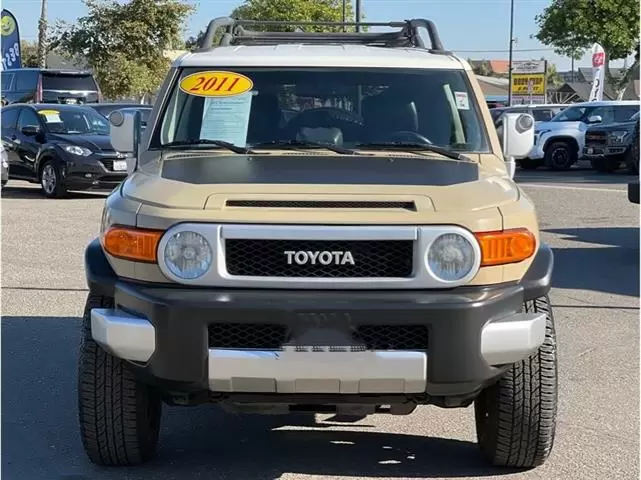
[358, 15]
[344, 13]
[509, 93]
[42, 35]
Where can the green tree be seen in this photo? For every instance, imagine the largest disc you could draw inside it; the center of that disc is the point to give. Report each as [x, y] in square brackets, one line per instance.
[481, 67]
[572, 26]
[553, 77]
[288, 10]
[29, 54]
[295, 10]
[124, 43]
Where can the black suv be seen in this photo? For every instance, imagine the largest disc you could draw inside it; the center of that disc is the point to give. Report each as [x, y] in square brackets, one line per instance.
[62, 147]
[608, 145]
[38, 85]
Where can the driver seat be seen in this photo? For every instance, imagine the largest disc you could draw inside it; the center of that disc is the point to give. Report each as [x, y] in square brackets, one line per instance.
[387, 113]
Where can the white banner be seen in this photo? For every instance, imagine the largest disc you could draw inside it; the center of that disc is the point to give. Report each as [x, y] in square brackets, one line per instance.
[598, 73]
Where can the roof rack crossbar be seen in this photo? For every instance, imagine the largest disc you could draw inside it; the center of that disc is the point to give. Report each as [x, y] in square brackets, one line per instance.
[407, 36]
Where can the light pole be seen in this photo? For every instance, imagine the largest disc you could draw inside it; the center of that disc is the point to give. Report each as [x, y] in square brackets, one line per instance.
[509, 92]
[344, 13]
[42, 35]
[358, 15]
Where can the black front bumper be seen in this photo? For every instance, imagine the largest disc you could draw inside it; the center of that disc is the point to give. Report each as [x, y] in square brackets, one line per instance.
[91, 174]
[454, 320]
[614, 152]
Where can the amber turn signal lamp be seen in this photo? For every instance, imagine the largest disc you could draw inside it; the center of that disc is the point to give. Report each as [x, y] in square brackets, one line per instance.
[133, 244]
[507, 246]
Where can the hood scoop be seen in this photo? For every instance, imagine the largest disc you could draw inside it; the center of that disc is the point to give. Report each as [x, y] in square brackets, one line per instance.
[323, 204]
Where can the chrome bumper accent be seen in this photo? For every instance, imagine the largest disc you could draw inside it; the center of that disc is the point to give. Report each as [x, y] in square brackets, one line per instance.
[504, 341]
[123, 335]
[290, 371]
[512, 339]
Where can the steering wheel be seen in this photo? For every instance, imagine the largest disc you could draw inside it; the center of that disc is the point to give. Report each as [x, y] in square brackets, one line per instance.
[406, 136]
[324, 117]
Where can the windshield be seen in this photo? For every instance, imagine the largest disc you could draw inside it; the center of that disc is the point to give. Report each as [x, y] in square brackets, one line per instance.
[68, 82]
[573, 114]
[343, 107]
[75, 122]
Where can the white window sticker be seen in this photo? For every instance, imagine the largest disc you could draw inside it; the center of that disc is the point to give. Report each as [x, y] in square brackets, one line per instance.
[227, 118]
[462, 100]
[51, 116]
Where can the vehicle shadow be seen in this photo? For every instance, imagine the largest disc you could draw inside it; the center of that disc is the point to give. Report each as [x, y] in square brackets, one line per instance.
[30, 193]
[611, 254]
[41, 439]
[574, 175]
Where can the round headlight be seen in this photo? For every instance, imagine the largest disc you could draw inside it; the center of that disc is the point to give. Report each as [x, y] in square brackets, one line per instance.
[451, 257]
[188, 255]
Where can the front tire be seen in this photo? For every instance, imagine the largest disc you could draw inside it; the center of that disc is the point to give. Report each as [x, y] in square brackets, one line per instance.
[632, 157]
[529, 164]
[51, 180]
[119, 417]
[516, 417]
[560, 156]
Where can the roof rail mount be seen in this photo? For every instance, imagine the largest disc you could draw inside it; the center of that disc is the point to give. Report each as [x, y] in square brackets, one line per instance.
[407, 35]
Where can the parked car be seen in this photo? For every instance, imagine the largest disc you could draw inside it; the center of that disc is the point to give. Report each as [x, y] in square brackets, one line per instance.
[608, 145]
[62, 147]
[558, 144]
[106, 109]
[4, 175]
[38, 85]
[541, 113]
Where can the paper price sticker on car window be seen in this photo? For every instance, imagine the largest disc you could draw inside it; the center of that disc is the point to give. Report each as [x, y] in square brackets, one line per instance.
[462, 100]
[227, 119]
[51, 116]
[216, 84]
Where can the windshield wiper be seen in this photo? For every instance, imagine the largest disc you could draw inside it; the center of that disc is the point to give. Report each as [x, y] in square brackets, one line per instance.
[203, 141]
[412, 147]
[305, 144]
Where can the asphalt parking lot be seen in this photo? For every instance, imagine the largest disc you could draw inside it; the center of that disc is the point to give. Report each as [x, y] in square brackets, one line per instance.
[584, 216]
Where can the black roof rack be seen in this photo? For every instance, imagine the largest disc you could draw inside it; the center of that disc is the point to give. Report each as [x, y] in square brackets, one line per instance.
[235, 33]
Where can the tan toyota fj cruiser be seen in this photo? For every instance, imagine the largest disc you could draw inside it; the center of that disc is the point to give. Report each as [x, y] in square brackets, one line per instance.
[319, 222]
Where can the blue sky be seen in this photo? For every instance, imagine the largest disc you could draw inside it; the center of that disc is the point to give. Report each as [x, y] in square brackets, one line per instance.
[464, 25]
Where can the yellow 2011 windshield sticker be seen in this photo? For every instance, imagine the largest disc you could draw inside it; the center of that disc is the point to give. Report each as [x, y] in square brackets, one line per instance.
[48, 112]
[216, 84]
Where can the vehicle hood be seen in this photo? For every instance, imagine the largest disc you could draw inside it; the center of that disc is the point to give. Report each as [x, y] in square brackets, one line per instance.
[559, 126]
[421, 187]
[96, 143]
[612, 127]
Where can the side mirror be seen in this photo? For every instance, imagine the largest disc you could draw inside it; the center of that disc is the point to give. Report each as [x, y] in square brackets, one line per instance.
[595, 119]
[124, 128]
[30, 130]
[517, 136]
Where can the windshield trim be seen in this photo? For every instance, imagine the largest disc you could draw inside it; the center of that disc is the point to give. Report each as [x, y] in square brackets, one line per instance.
[172, 84]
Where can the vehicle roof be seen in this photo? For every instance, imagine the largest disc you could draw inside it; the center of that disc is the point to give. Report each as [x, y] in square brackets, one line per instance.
[48, 106]
[328, 55]
[606, 102]
[116, 104]
[533, 105]
[57, 71]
